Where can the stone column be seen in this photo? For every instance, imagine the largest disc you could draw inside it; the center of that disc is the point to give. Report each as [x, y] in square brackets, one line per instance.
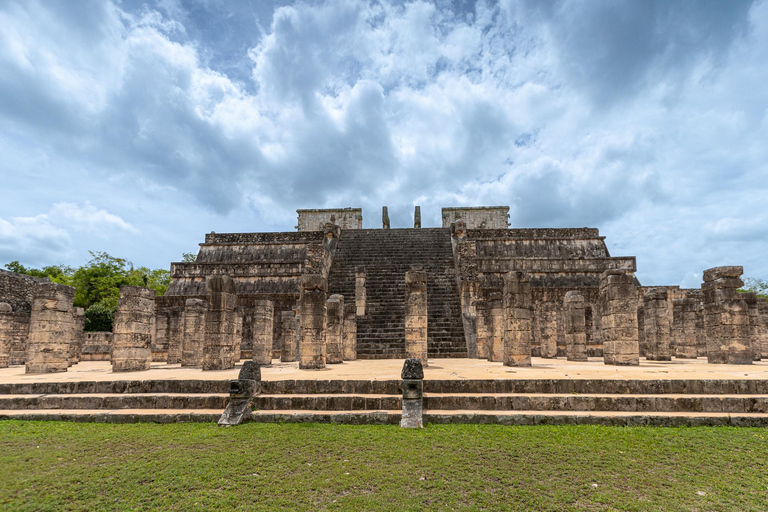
[289, 351]
[50, 328]
[656, 325]
[263, 329]
[483, 330]
[754, 323]
[76, 345]
[416, 315]
[618, 296]
[762, 309]
[175, 335]
[548, 326]
[641, 328]
[575, 326]
[349, 349]
[496, 324]
[313, 296]
[132, 338]
[417, 217]
[360, 276]
[334, 330]
[193, 338]
[221, 349]
[384, 217]
[6, 333]
[517, 314]
[685, 327]
[160, 341]
[726, 317]
[413, 393]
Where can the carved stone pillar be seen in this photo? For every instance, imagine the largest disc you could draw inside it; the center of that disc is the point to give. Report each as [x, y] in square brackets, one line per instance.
[263, 329]
[132, 331]
[221, 349]
[496, 324]
[685, 327]
[51, 326]
[548, 330]
[76, 345]
[312, 346]
[334, 329]
[618, 297]
[726, 317]
[575, 326]
[656, 325]
[483, 330]
[416, 315]
[349, 348]
[517, 301]
[289, 351]
[193, 338]
[175, 335]
[754, 323]
[360, 276]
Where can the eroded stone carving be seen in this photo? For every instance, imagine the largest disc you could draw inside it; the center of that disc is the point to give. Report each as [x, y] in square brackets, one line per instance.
[132, 338]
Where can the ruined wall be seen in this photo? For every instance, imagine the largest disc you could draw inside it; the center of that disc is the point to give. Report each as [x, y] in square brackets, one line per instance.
[18, 289]
[480, 217]
[97, 346]
[314, 220]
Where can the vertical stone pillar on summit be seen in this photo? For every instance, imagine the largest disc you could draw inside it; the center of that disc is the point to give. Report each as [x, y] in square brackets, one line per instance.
[517, 301]
[51, 327]
[334, 329]
[289, 348]
[417, 217]
[726, 317]
[314, 288]
[384, 217]
[416, 315]
[349, 342]
[574, 319]
[618, 297]
[221, 349]
[263, 329]
[656, 325]
[132, 331]
[193, 337]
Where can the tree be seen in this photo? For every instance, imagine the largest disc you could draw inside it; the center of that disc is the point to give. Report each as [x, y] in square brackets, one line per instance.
[759, 286]
[188, 257]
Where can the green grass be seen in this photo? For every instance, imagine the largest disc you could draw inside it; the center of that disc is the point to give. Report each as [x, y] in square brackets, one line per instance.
[85, 466]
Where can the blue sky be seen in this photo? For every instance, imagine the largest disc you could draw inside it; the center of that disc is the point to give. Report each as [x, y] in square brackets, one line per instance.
[135, 127]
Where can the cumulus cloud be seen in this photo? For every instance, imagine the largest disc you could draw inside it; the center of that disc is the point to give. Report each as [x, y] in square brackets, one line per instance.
[48, 237]
[646, 119]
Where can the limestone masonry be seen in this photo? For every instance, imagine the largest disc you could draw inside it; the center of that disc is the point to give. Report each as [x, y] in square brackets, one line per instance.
[332, 292]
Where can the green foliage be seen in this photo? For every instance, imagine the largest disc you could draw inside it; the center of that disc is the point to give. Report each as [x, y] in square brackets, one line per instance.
[98, 282]
[100, 316]
[188, 257]
[759, 286]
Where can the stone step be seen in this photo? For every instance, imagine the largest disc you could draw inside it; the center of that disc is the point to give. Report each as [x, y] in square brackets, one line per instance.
[114, 401]
[392, 417]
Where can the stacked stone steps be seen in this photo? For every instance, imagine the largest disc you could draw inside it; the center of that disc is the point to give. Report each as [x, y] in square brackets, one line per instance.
[387, 255]
[115, 401]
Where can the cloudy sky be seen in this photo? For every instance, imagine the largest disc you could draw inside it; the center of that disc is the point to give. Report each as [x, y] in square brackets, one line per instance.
[135, 127]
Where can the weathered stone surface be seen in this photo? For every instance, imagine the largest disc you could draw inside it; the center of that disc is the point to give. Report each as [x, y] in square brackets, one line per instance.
[416, 315]
[575, 326]
[417, 217]
[726, 317]
[5, 307]
[483, 328]
[349, 348]
[334, 330]
[312, 322]
[413, 368]
[221, 349]
[289, 337]
[175, 335]
[51, 328]
[384, 217]
[132, 339]
[76, 344]
[656, 325]
[483, 217]
[495, 313]
[360, 276]
[755, 324]
[762, 309]
[685, 312]
[14, 329]
[618, 301]
[548, 329]
[263, 331]
[250, 371]
[517, 302]
[193, 338]
[315, 219]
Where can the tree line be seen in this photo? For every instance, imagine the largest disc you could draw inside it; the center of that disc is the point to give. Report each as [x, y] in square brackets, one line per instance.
[97, 283]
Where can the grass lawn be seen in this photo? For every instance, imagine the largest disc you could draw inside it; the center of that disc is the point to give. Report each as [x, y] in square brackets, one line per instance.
[84, 466]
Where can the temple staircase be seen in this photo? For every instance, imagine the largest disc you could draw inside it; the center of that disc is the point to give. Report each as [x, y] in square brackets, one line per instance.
[387, 254]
